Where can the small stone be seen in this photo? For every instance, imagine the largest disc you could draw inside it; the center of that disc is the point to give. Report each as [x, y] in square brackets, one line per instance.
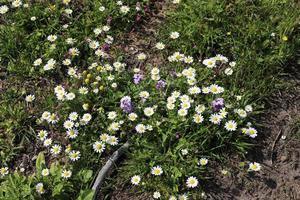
[283, 158]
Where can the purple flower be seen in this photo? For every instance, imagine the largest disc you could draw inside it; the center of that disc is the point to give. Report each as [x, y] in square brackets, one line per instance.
[126, 104]
[106, 48]
[218, 104]
[137, 78]
[160, 84]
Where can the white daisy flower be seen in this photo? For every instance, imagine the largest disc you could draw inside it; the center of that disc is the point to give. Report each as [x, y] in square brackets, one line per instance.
[209, 63]
[205, 90]
[68, 124]
[174, 35]
[172, 198]
[86, 117]
[55, 149]
[104, 137]
[72, 133]
[83, 90]
[144, 94]
[242, 113]
[3, 9]
[200, 108]
[50, 64]
[198, 118]
[149, 111]
[106, 28]
[215, 118]
[42, 134]
[248, 108]
[189, 59]
[254, 166]
[51, 38]
[66, 174]
[160, 46]
[67, 62]
[70, 96]
[74, 155]
[37, 62]
[47, 142]
[232, 64]
[135, 180]
[192, 182]
[16, 3]
[66, 2]
[73, 116]
[184, 152]
[132, 116]
[156, 195]
[223, 113]
[53, 118]
[99, 147]
[111, 115]
[45, 172]
[97, 31]
[115, 126]
[182, 112]
[155, 71]
[157, 171]
[140, 128]
[141, 56]
[170, 106]
[46, 115]
[171, 99]
[113, 140]
[101, 8]
[203, 161]
[4, 171]
[70, 40]
[194, 90]
[251, 132]
[184, 98]
[94, 44]
[74, 52]
[228, 71]
[175, 94]
[185, 105]
[231, 125]
[124, 9]
[40, 188]
[183, 197]
[215, 89]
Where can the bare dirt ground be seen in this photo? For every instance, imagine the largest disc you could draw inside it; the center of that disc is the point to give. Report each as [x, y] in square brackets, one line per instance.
[143, 36]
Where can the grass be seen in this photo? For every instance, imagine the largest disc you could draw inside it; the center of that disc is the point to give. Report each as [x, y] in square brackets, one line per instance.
[243, 31]
[262, 37]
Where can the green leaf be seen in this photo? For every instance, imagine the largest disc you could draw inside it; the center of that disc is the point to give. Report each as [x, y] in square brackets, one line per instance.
[55, 169]
[57, 189]
[87, 194]
[86, 175]
[40, 162]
